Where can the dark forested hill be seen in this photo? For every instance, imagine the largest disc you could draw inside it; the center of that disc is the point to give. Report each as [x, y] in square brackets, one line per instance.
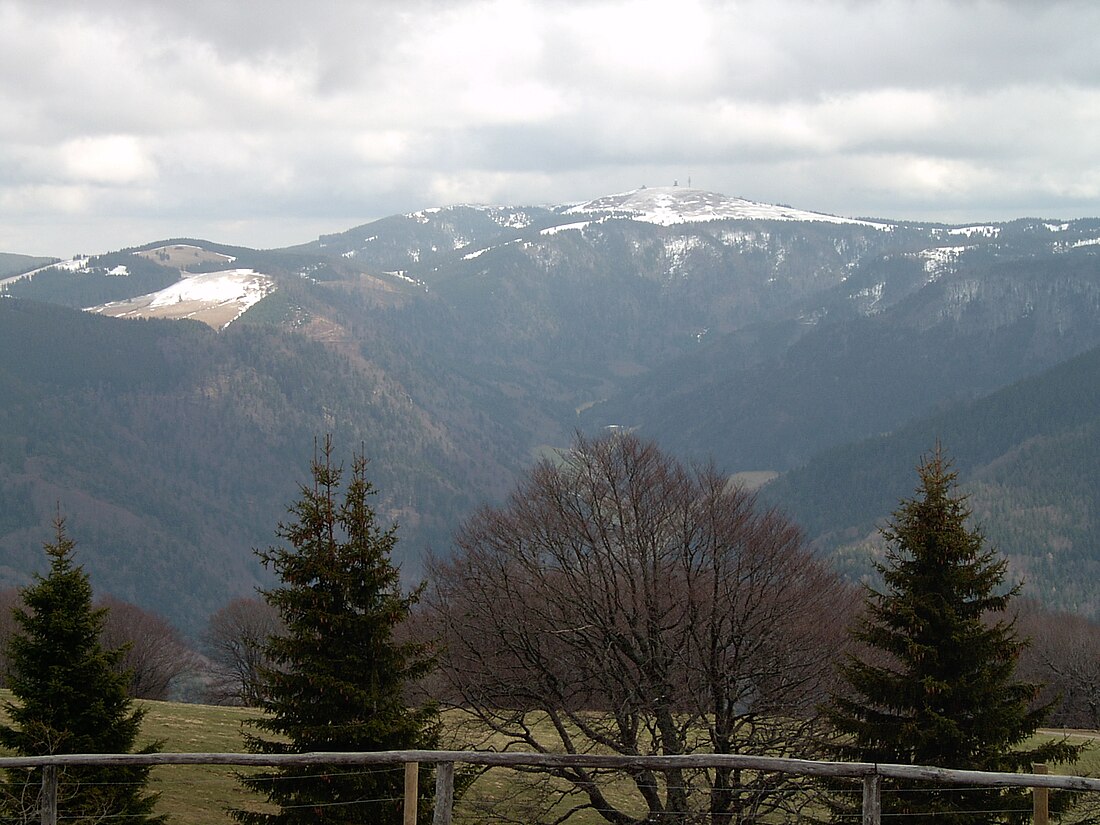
[1029, 457]
[173, 450]
[11, 264]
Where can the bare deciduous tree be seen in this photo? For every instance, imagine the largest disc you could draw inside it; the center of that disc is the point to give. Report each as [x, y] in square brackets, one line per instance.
[156, 655]
[621, 603]
[1064, 655]
[234, 642]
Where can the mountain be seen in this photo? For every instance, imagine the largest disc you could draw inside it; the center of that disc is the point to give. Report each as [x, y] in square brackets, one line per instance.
[1028, 455]
[456, 344]
[174, 450]
[11, 265]
[668, 206]
[901, 335]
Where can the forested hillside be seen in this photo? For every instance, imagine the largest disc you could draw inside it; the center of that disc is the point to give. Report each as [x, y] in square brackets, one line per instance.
[173, 450]
[896, 340]
[454, 345]
[1029, 457]
[11, 264]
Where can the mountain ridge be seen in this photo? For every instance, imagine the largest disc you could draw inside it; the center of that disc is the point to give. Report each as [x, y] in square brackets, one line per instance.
[668, 205]
[457, 344]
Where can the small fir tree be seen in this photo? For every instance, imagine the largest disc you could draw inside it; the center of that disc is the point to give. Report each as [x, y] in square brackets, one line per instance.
[338, 676]
[936, 684]
[70, 698]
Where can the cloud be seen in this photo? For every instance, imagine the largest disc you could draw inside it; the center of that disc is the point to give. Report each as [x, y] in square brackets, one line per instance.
[132, 116]
[107, 159]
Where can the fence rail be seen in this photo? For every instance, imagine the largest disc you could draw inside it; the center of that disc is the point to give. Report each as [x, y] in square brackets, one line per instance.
[870, 773]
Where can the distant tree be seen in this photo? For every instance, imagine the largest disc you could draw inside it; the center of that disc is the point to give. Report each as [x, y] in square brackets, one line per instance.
[235, 642]
[154, 654]
[70, 698]
[10, 599]
[338, 676]
[1064, 654]
[620, 602]
[936, 684]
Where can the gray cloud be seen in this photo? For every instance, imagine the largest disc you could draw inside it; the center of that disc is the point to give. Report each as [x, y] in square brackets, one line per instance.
[268, 123]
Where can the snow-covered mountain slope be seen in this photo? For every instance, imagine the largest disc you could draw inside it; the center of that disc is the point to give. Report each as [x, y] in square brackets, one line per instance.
[215, 298]
[668, 205]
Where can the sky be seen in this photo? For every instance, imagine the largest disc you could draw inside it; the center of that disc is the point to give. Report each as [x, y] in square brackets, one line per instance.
[267, 124]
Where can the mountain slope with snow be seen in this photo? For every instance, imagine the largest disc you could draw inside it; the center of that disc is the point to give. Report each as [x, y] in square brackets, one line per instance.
[215, 298]
[458, 342]
[669, 205]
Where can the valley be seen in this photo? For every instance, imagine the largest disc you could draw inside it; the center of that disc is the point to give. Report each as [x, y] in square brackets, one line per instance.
[457, 344]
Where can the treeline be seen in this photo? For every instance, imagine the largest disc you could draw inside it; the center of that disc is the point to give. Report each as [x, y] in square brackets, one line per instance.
[95, 284]
[616, 600]
[11, 264]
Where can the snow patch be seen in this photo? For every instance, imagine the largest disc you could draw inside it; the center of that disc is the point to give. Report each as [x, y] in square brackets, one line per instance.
[985, 231]
[564, 227]
[677, 249]
[404, 276]
[744, 239]
[869, 298]
[230, 286]
[74, 265]
[515, 220]
[215, 298]
[940, 260]
[503, 216]
[670, 205]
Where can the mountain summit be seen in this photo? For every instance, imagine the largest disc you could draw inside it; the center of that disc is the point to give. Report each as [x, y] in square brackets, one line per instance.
[667, 205]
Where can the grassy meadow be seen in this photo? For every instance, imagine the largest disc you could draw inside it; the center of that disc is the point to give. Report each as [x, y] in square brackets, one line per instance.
[194, 794]
[201, 795]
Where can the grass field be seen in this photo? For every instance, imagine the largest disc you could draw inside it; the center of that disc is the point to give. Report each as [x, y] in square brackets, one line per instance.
[1089, 763]
[196, 794]
[201, 795]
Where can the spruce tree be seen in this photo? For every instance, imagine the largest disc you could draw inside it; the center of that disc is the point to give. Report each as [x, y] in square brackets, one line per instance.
[338, 675]
[70, 698]
[936, 683]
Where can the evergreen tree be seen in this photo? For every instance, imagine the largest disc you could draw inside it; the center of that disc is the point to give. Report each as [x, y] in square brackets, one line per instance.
[338, 675]
[70, 698]
[936, 685]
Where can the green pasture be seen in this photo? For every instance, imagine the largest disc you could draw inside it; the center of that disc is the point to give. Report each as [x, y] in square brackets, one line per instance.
[201, 795]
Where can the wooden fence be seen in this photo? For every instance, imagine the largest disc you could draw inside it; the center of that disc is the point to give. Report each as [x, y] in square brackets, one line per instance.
[871, 774]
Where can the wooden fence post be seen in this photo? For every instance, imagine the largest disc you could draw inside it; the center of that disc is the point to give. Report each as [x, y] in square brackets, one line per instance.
[49, 795]
[1040, 798]
[872, 799]
[444, 793]
[412, 791]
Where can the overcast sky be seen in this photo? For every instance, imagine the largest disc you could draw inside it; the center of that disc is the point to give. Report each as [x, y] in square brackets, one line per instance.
[269, 123]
